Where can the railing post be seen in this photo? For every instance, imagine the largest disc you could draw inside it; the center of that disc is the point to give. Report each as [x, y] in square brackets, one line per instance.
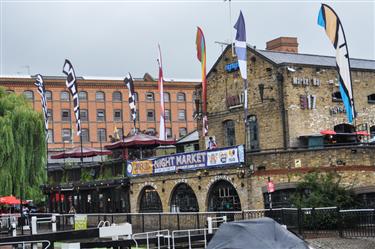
[313, 218]
[198, 221]
[299, 221]
[143, 222]
[159, 221]
[178, 221]
[282, 216]
[339, 222]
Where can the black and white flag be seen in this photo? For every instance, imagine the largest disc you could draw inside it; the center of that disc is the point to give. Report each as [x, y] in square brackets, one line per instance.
[130, 84]
[72, 86]
[42, 91]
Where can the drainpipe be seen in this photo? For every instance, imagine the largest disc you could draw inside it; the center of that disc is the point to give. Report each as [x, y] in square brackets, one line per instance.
[280, 81]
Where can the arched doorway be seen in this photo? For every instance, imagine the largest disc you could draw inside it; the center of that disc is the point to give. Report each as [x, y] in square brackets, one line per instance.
[222, 196]
[150, 201]
[183, 199]
[345, 133]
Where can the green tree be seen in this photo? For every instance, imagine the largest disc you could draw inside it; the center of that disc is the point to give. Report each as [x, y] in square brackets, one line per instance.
[323, 190]
[22, 148]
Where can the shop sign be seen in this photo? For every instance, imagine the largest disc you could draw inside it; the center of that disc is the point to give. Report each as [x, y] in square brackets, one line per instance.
[220, 177]
[232, 67]
[80, 221]
[305, 81]
[140, 167]
[194, 160]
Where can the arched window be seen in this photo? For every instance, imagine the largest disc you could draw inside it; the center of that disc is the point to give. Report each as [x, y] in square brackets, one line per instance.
[64, 96]
[222, 196]
[100, 96]
[184, 199]
[336, 97]
[117, 96]
[48, 95]
[229, 133]
[181, 97]
[167, 97]
[344, 128]
[150, 96]
[82, 95]
[371, 98]
[150, 201]
[29, 95]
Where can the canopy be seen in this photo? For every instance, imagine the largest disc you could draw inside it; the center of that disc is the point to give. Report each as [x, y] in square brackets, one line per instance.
[327, 132]
[10, 200]
[76, 153]
[139, 139]
[263, 233]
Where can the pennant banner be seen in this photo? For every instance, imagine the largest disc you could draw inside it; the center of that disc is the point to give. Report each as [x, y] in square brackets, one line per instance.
[42, 91]
[329, 20]
[241, 52]
[71, 84]
[201, 54]
[130, 85]
[161, 90]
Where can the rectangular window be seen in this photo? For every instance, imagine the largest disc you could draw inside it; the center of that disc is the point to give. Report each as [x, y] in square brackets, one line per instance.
[65, 115]
[85, 135]
[149, 96]
[182, 132]
[136, 116]
[50, 136]
[50, 115]
[169, 132]
[84, 115]
[181, 115]
[100, 115]
[117, 115]
[66, 135]
[101, 135]
[167, 115]
[150, 115]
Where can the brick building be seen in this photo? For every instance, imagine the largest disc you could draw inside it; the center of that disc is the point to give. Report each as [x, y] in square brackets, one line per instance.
[292, 97]
[104, 107]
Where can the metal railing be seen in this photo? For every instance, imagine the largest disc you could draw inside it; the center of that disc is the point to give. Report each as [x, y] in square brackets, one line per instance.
[24, 243]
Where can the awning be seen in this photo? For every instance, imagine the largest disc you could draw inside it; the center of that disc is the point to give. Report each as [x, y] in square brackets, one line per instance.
[76, 153]
[139, 139]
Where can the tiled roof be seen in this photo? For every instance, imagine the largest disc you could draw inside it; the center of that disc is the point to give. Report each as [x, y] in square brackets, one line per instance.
[316, 60]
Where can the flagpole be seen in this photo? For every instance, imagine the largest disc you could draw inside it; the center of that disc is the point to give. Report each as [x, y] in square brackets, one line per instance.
[80, 138]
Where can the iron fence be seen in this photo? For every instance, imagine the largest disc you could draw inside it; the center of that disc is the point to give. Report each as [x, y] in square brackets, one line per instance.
[306, 222]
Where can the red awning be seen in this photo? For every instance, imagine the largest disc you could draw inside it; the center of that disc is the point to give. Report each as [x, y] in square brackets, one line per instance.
[139, 139]
[328, 132]
[10, 200]
[76, 153]
[362, 133]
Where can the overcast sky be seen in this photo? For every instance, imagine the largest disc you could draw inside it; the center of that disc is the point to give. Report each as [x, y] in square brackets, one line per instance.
[111, 38]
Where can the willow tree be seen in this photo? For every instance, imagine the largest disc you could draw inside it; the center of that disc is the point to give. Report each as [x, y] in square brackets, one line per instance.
[22, 148]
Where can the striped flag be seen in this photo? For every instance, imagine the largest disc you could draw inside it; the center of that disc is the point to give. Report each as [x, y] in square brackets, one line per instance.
[201, 54]
[42, 91]
[130, 85]
[241, 49]
[71, 84]
[329, 20]
[161, 90]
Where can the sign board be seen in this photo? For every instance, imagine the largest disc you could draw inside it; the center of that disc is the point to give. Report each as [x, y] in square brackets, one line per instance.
[140, 167]
[80, 221]
[231, 67]
[270, 187]
[297, 163]
[190, 161]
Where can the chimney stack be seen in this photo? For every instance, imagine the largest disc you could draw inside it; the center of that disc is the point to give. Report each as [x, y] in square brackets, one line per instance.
[283, 44]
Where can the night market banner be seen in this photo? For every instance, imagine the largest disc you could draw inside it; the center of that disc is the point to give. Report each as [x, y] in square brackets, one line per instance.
[188, 161]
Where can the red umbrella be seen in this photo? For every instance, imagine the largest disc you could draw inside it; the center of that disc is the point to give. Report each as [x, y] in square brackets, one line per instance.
[139, 139]
[9, 200]
[76, 153]
[362, 133]
[328, 132]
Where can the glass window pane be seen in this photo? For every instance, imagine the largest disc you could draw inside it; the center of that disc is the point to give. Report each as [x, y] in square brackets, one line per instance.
[181, 97]
[64, 96]
[101, 135]
[82, 95]
[117, 96]
[181, 115]
[50, 136]
[29, 95]
[150, 115]
[85, 135]
[65, 115]
[167, 97]
[48, 95]
[100, 115]
[100, 96]
[66, 135]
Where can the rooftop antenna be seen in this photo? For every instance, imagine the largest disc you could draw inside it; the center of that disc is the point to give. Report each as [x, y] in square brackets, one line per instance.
[230, 25]
[222, 44]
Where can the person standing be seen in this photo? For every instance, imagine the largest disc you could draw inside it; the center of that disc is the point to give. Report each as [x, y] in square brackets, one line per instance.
[211, 144]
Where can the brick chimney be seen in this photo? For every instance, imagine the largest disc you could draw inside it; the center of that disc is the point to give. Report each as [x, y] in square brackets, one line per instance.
[283, 44]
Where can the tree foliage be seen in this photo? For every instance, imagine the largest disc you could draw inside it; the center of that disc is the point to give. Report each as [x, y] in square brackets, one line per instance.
[323, 190]
[22, 147]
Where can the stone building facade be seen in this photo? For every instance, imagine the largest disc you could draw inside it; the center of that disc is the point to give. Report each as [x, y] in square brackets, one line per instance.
[290, 95]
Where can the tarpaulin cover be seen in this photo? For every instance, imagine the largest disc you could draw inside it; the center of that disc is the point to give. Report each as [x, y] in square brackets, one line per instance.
[263, 233]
